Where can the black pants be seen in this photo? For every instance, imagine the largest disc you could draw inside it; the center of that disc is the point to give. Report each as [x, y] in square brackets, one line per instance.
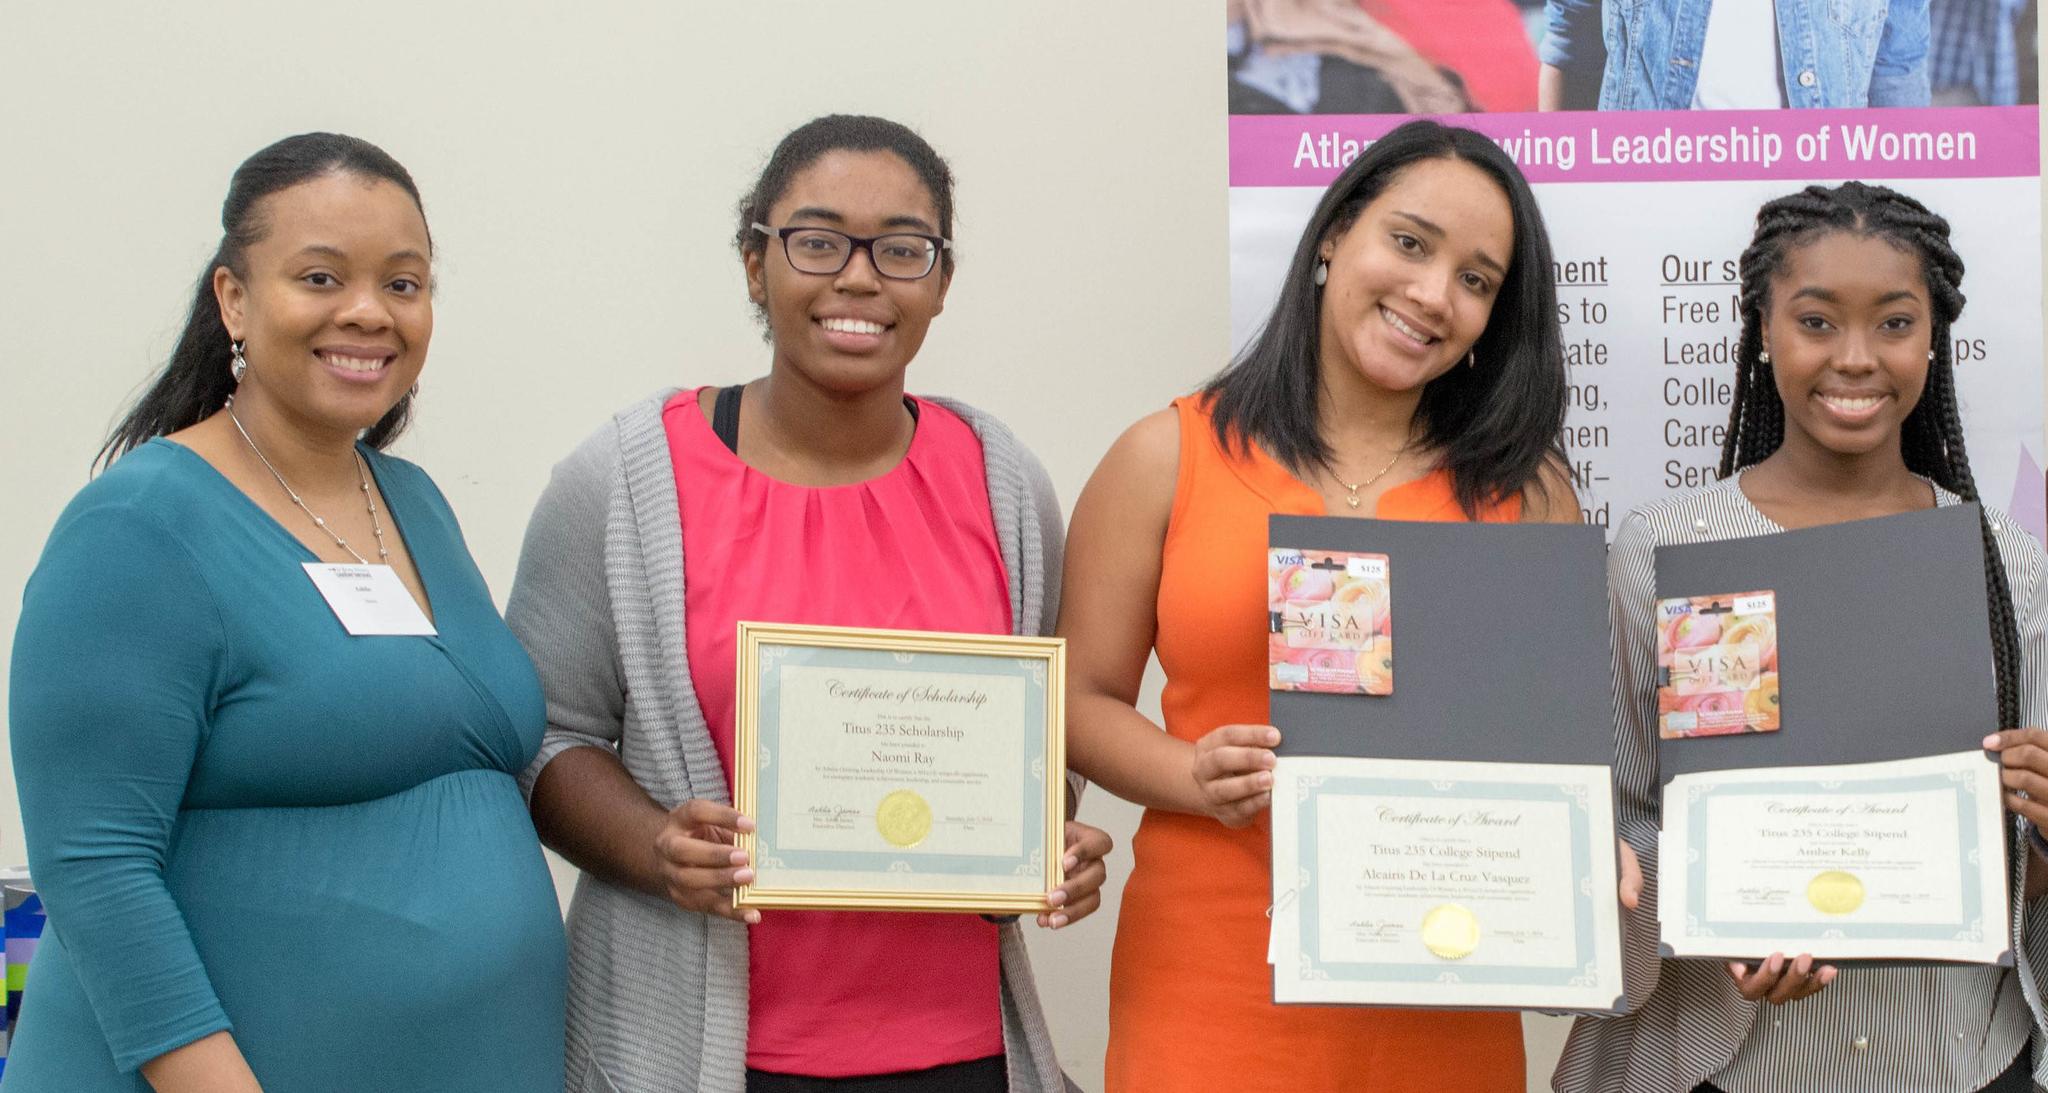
[2018, 1078]
[974, 1076]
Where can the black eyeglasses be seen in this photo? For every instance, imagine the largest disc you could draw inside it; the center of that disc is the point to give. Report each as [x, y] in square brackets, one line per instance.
[899, 256]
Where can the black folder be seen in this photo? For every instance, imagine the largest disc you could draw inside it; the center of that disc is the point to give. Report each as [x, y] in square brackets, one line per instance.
[1501, 645]
[1884, 639]
[1502, 648]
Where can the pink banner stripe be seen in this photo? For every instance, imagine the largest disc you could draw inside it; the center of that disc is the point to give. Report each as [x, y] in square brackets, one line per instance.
[1673, 145]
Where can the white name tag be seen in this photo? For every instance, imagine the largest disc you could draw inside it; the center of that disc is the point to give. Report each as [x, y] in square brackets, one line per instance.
[369, 599]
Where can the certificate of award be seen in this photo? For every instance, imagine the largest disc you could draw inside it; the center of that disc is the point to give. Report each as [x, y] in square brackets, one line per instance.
[1426, 883]
[1900, 860]
[900, 770]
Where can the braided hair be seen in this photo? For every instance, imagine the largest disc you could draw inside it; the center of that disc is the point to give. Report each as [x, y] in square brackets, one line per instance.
[1931, 438]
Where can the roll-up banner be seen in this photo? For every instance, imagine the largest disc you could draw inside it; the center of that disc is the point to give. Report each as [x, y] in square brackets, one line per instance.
[1651, 130]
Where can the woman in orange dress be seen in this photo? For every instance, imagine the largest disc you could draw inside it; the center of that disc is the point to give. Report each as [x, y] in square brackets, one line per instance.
[1412, 369]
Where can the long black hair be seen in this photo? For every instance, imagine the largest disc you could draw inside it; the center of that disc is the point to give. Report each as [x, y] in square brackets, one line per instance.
[1931, 438]
[1497, 424]
[196, 381]
[813, 140]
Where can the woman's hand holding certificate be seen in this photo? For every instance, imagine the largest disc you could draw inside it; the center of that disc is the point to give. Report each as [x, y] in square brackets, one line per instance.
[1779, 980]
[1080, 894]
[1628, 887]
[1233, 771]
[2023, 755]
[699, 863]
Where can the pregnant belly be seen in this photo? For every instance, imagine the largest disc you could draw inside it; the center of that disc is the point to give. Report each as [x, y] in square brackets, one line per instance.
[383, 940]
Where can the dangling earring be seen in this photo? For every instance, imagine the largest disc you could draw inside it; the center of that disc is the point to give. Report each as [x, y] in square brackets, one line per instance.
[414, 394]
[239, 366]
[1322, 274]
[1471, 358]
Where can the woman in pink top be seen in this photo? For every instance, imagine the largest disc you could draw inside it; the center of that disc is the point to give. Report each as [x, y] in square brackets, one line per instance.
[819, 493]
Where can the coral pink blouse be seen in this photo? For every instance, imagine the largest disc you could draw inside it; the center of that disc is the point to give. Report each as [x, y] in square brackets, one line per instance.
[912, 549]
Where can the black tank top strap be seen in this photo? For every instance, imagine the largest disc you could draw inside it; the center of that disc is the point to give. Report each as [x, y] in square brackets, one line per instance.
[725, 416]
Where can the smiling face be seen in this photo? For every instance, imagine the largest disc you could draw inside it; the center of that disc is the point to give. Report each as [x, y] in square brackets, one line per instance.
[1412, 282]
[333, 303]
[1848, 328]
[853, 330]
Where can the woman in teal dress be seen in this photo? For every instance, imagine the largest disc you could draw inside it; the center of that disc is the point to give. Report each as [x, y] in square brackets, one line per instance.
[277, 854]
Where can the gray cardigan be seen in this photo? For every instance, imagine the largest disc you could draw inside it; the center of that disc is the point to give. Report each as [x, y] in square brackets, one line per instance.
[658, 995]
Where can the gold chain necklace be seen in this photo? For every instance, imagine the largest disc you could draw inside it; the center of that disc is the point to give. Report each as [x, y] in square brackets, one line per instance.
[1351, 491]
[362, 479]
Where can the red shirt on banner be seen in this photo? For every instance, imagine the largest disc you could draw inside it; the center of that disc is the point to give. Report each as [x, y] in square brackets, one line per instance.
[1483, 41]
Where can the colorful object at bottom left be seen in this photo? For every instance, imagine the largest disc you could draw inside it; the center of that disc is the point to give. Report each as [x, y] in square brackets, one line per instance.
[21, 923]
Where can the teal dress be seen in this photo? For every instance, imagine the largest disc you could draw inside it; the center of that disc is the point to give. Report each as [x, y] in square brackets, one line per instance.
[242, 818]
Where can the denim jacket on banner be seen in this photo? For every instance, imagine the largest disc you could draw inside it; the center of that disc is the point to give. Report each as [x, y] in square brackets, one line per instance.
[1833, 53]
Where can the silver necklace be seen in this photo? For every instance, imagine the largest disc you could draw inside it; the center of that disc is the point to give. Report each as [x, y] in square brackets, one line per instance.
[1351, 491]
[362, 478]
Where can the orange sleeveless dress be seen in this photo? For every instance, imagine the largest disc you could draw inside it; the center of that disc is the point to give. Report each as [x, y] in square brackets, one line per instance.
[1190, 994]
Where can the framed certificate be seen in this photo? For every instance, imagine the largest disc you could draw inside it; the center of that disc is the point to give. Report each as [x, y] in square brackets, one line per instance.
[900, 770]
[1900, 860]
[1435, 883]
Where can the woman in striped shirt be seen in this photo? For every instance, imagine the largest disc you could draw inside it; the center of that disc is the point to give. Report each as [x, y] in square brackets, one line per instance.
[1845, 408]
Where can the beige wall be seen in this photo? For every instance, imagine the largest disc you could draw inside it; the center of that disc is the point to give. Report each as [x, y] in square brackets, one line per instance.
[579, 170]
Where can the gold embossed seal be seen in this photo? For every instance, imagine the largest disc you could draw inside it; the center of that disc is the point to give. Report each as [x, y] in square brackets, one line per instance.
[1835, 892]
[1450, 931]
[904, 818]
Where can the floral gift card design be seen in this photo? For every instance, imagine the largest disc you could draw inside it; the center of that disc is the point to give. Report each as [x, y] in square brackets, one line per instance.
[1330, 628]
[1717, 665]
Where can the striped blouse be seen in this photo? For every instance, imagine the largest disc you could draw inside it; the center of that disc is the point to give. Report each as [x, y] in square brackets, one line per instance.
[1906, 1029]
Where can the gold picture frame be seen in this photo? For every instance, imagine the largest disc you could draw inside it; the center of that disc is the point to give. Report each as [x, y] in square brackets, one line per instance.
[868, 839]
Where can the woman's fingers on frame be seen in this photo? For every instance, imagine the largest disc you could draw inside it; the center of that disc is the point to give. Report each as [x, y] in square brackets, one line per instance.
[1081, 908]
[1816, 978]
[2008, 741]
[1241, 788]
[1085, 843]
[1246, 736]
[2024, 780]
[1071, 911]
[1754, 980]
[703, 899]
[2034, 809]
[1238, 814]
[697, 812]
[685, 851]
[1629, 884]
[1085, 881]
[708, 880]
[1236, 760]
[1795, 982]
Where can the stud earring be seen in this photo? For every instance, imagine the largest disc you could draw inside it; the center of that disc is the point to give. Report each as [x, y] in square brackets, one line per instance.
[1471, 358]
[1930, 355]
[239, 366]
[1764, 357]
[1322, 274]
